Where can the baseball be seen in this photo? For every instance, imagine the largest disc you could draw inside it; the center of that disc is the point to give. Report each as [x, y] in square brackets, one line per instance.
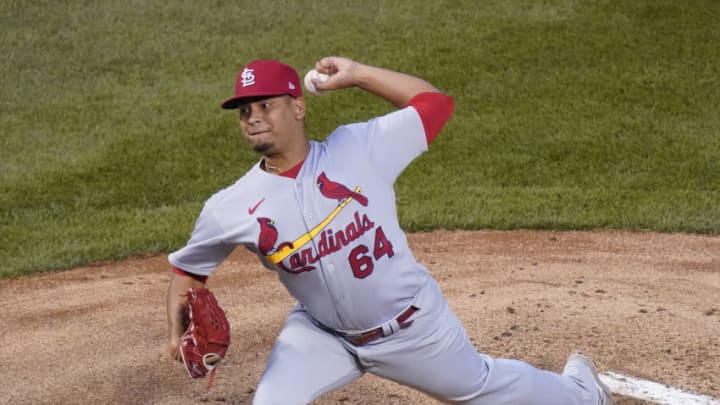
[314, 74]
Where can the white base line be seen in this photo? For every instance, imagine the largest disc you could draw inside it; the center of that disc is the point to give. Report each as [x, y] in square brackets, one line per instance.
[651, 391]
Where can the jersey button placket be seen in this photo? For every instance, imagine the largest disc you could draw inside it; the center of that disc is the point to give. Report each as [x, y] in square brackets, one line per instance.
[307, 215]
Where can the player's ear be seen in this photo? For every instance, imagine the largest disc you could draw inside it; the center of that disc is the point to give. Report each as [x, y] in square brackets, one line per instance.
[299, 108]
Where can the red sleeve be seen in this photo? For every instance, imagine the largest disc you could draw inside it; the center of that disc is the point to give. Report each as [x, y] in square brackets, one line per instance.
[184, 273]
[434, 109]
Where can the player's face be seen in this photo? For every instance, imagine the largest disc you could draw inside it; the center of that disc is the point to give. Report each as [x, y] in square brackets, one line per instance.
[271, 125]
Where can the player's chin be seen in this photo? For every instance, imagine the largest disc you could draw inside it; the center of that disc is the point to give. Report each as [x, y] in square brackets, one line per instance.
[263, 148]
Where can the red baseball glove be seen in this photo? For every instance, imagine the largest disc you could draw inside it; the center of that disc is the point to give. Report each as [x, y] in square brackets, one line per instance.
[204, 343]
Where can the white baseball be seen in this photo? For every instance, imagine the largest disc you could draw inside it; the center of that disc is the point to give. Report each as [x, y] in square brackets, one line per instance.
[314, 74]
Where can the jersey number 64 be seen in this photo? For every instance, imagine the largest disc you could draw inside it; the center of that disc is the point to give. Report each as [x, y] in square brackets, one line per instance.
[361, 262]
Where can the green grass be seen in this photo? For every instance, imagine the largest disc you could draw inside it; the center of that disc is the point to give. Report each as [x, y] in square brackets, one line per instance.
[569, 114]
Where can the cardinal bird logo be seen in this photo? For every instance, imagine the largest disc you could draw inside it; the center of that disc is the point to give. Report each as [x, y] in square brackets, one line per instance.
[268, 235]
[336, 191]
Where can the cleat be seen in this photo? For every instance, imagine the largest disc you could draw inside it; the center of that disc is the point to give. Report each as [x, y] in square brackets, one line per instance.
[577, 361]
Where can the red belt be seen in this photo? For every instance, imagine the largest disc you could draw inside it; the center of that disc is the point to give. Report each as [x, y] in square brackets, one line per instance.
[367, 337]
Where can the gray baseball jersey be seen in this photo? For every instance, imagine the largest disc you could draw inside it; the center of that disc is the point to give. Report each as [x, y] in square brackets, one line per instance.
[332, 233]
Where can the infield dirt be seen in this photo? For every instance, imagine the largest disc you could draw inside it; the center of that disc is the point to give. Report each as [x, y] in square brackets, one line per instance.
[641, 304]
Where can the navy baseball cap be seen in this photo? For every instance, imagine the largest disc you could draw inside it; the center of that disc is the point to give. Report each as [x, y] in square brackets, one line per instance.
[264, 78]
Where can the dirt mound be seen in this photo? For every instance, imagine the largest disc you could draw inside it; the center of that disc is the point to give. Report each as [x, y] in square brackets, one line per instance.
[642, 304]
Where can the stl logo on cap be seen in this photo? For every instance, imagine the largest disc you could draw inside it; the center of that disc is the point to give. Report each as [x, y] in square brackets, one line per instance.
[248, 77]
[273, 79]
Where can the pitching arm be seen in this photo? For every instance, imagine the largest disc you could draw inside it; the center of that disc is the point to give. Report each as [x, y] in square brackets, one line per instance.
[396, 87]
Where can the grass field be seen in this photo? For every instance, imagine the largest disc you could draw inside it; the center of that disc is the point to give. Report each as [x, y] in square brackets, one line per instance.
[569, 114]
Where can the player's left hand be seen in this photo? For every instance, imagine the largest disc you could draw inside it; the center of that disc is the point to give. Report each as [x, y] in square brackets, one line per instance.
[204, 343]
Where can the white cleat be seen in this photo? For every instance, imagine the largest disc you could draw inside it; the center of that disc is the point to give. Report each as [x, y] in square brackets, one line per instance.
[579, 361]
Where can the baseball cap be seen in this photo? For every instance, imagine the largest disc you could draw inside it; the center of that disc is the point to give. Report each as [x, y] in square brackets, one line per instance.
[264, 78]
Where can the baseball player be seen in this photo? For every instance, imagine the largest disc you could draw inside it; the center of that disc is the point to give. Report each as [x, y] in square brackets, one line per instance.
[322, 215]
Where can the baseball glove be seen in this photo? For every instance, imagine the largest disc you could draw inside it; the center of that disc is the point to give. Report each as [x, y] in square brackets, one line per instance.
[207, 337]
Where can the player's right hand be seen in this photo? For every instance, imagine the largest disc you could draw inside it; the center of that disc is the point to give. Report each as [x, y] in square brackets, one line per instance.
[341, 71]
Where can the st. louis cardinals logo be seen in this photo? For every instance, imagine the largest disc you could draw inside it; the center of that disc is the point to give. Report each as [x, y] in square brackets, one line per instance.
[247, 77]
[336, 191]
[329, 241]
[268, 237]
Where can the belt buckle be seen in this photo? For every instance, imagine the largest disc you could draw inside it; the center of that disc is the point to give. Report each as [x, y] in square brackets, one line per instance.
[364, 338]
[367, 337]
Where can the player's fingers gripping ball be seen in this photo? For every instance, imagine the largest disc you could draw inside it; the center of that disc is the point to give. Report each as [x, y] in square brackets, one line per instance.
[310, 85]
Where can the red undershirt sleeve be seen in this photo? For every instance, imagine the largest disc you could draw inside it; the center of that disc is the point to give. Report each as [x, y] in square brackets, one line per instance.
[184, 273]
[434, 109]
